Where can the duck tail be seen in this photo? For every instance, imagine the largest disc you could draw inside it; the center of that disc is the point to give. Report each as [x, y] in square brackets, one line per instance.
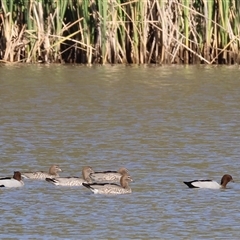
[51, 180]
[87, 185]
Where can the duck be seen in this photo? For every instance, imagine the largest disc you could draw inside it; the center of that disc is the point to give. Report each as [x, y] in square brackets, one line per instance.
[210, 183]
[108, 176]
[15, 181]
[111, 188]
[40, 175]
[72, 181]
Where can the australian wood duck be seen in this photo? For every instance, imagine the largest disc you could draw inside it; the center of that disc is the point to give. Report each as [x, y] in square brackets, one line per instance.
[111, 188]
[72, 181]
[210, 183]
[53, 172]
[15, 181]
[108, 176]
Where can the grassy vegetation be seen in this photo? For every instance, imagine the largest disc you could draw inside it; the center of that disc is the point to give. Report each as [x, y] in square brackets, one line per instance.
[120, 31]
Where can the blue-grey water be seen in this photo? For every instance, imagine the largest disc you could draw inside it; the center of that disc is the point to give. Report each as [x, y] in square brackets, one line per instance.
[165, 124]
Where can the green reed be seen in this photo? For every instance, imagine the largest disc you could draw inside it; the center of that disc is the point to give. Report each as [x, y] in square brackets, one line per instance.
[120, 31]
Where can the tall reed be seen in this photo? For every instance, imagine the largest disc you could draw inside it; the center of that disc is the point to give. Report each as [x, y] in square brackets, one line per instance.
[120, 31]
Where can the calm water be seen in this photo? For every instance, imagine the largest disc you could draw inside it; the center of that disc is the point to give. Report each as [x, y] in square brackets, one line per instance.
[165, 124]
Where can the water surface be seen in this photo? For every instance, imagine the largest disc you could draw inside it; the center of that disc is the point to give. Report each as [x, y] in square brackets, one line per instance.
[166, 124]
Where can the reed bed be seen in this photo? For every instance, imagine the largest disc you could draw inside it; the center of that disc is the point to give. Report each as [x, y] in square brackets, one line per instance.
[120, 31]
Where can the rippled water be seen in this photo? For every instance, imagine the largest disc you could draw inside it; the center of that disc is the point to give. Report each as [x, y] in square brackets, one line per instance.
[165, 124]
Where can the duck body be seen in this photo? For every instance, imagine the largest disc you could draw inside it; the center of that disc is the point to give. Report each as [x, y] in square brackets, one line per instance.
[106, 188]
[9, 182]
[111, 188]
[72, 181]
[108, 176]
[203, 184]
[66, 181]
[41, 175]
[210, 183]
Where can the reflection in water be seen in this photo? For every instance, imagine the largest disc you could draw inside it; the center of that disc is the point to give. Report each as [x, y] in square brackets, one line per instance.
[166, 124]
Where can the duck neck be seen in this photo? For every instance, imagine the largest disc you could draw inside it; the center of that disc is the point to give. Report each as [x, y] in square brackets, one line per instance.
[86, 176]
[124, 183]
[52, 171]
